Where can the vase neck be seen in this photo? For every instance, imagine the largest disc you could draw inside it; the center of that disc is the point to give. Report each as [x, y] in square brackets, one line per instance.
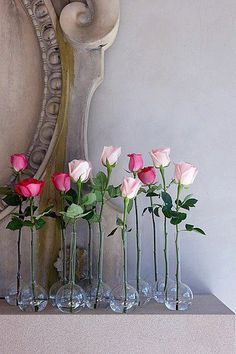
[73, 254]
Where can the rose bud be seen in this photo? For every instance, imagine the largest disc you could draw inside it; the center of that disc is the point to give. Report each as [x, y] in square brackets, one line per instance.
[19, 162]
[147, 175]
[130, 187]
[185, 173]
[29, 187]
[110, 154]
[79, 170]
[136, 162]
[160, 157]
[61, 181]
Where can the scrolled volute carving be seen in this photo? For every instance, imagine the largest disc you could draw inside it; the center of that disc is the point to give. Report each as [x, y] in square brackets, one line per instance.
[91, 23]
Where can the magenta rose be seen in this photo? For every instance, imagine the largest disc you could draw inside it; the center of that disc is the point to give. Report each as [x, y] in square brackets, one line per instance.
[110, 154]
[19, 162]
[160, 157]
[147, 175]
[61, 181]
[185, 173]
[135, 162]
[130, 187]
[29, 187]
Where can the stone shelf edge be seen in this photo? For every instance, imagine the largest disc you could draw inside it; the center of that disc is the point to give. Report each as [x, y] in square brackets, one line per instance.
[208, 327]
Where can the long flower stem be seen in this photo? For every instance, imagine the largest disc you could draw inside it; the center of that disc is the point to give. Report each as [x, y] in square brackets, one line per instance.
[177, 250]
[162, 171]
[72, 263]
[90, 253]
[138, 246]
[32, 254]
[124, 242]
[154, 242]
[18, 275]
[63, 241]
[101, 241]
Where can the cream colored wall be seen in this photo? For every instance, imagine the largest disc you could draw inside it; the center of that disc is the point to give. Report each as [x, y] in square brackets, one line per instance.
[170, 80]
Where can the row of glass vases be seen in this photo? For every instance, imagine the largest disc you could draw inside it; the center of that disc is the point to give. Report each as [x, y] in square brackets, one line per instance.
[70, 297]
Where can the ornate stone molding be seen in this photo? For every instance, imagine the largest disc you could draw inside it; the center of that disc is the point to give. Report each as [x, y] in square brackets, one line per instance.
[45, 135]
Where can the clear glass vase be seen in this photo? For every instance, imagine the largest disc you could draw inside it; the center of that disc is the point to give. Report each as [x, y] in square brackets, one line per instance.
[124, 299]
[144, 290]
[71, 298]
[32, 298]
[160, 289]
[13, 292]
[179, 296]
[102, 295]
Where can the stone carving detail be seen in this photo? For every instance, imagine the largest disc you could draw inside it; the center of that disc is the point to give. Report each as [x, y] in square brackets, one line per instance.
[46, 36]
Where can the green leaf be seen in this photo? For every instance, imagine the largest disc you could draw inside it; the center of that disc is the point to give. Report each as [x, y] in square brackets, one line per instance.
[152, 194]
[12, 199]
[177, 217]
[114, 192]
[71, 196]
[88, 199]
[130, 205]
[100, 181]
[112, 232]
[167, 199]
[72, 212]
[167, 212]
[142, 190]
[190, 203]
[200, 231]
[98, 196]
[189, 227]
[92, 216]
[119, 222]
[156, 211]
[189, 196]
[39, 223]
[5, 190]
[15, 224]
[144, 211]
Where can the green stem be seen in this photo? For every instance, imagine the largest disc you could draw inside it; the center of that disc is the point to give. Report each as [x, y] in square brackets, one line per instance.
[138, 246]
[162, 171]
[79, 184]
[101, 240]
[18, 275]
[32, 254]
[63, 241]
[124, 242]
[90, 253]
[72, 263]
[154, 242]
[177, 249]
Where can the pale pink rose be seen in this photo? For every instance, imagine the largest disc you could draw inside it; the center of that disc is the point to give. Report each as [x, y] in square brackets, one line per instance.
[135, 162]
[130, 187]
[185, 173]
[19, 162]
[160, 157]
[110, 154]
[147, 175]
[79, 169]
[29, 187]
[61, 181]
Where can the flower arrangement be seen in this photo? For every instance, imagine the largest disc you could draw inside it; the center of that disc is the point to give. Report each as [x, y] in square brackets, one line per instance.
[83, 197]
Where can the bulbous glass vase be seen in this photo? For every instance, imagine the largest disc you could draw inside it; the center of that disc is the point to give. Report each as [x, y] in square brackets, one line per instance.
[145, 291]
[12, 295]
[53, 291]
[70, 298]
[179, 296]
[159, 291]
[32, 299]
[122, 304]
[102, 296]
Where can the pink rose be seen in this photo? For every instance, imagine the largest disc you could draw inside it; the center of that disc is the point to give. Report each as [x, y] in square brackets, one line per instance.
[19, 162]
[110, 154]
[79, 169]
[136, 162]
[147, 175]
[29, 187]
[130, 187]
[160, 157]
[61, 181]
[185, 173]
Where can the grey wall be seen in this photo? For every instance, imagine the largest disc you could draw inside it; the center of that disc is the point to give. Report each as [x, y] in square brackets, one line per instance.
[170, 80]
